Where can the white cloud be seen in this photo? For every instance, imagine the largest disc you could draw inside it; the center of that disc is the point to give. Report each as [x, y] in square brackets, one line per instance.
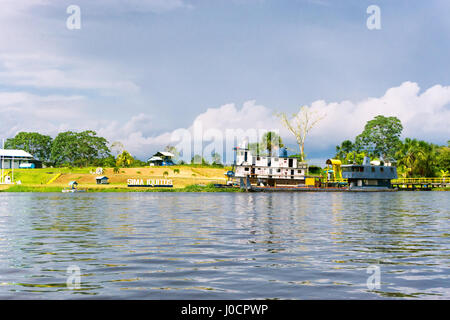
[424, 115]
[51, 114]
[157, 6]
[46, 71]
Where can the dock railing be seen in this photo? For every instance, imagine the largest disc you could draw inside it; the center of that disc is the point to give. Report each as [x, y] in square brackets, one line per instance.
[442, 181]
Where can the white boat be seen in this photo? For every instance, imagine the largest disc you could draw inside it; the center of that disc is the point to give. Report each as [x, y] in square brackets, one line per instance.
[72, 188]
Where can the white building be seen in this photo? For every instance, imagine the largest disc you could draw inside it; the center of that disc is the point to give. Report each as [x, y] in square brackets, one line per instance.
[10, 159]
[270, 171]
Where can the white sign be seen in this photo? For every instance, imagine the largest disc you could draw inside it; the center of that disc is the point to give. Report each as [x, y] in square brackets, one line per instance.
[150, 182]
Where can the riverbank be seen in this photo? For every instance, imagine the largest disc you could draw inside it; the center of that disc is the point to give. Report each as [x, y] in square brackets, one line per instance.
[190, 188]
[184, 178]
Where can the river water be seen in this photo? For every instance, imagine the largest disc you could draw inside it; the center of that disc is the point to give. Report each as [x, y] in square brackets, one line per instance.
[225, 245]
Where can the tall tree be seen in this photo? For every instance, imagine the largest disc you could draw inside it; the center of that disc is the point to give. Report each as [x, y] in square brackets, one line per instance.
[381, 137]
[344, 149]
[124, 159]
[64, 148]
[443, 157]
[37, 144]
[417, 158]
[271, 141]
[91, 146]
[300, 125]
[78, 148]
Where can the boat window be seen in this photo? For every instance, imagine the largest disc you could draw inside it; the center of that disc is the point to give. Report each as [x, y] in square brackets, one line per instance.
[381, 169]
[246, 169]
[276, 159]
[392, 169]
[373, 169]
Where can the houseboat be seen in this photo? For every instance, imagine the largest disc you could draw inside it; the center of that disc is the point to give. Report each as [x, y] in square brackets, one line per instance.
[268, 171]
[369, 176]
[282, 173]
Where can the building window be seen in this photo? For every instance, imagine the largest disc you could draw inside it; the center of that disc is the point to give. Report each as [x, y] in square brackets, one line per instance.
[246, 169]
[258, 158]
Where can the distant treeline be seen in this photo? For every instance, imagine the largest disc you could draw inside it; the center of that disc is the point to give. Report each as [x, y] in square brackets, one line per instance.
[83, 149]
[380, 139]
[66, 149]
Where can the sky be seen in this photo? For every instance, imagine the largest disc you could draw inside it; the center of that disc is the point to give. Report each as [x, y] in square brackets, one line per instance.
[142, 71]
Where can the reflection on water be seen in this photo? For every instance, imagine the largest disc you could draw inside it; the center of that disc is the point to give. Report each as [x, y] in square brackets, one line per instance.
[224, 246]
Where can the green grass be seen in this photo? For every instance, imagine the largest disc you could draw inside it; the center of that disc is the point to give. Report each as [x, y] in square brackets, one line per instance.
[43, 175]
[20, 188]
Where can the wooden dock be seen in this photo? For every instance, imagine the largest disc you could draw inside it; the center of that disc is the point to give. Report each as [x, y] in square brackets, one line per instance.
[420, 183]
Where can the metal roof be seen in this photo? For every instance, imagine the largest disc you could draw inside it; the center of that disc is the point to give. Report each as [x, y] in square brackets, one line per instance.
[155, 159]
[165, 153]
[14, 153]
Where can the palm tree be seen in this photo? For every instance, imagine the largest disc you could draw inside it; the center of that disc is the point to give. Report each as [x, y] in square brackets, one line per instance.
[270, 141]
[344, 149]
[124, 159]
[408, 155]
[418, 157]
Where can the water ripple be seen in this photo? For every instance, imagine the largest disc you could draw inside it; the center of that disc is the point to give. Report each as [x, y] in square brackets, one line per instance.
[225, 246]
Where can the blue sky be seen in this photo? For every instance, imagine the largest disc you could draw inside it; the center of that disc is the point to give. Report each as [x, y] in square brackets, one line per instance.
[138, 70]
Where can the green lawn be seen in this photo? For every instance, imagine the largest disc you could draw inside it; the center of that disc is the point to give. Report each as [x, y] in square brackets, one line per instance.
[42, 176]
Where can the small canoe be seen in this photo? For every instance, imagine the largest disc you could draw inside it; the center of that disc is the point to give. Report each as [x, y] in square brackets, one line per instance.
[72, 190]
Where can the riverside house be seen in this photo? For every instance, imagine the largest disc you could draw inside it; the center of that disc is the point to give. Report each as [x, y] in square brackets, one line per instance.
[162, 158]
[15, 159]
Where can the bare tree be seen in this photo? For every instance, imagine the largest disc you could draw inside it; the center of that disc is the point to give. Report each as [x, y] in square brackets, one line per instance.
[300, 125]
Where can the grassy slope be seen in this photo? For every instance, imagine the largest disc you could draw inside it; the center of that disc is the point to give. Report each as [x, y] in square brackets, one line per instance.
[184, 179]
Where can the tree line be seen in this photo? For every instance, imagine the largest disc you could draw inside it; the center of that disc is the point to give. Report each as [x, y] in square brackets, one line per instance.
[71, 148]
[380, 140]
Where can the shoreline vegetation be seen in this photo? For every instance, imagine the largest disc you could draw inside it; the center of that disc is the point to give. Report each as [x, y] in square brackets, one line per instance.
[186, 178]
